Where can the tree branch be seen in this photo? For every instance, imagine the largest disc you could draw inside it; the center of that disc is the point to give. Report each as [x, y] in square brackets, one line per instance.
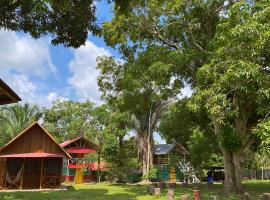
[163, 40]
[231, 2]
[193, 40]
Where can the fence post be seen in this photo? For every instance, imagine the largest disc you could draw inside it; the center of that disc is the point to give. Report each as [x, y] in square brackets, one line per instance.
[266, 196]
[157, 192]
[196, 194]
[213, 197]
[170, 194]
[184, 197]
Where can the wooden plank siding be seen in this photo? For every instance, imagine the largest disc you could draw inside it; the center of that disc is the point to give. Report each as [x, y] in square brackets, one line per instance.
[32, 141]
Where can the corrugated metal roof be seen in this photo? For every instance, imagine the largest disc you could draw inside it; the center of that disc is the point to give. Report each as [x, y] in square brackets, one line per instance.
[63, 144]
[162, 149]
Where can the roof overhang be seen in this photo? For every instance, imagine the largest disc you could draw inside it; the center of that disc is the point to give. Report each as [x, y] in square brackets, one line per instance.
[81, 150]
[33, 155]
[7, 95]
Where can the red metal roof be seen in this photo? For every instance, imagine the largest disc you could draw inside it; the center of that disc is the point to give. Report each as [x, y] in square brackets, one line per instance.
[81, 150]
[69, 141]
[33, 155]
[71, 166]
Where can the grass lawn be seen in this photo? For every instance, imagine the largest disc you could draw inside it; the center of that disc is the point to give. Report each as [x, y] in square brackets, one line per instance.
[129, 192]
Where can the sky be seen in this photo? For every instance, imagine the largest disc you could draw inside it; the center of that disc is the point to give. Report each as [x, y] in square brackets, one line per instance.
[41, 73]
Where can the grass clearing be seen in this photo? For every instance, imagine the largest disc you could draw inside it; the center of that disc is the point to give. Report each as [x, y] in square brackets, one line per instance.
[130, 192]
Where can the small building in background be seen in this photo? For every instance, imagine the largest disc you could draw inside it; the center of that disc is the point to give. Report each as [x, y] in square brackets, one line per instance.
[32, 160]
[79, 169]
[166, 158]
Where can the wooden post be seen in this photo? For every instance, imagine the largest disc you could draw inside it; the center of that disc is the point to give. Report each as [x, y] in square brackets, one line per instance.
[22, 174]
[184, 197]
[157, 192]
[151, 189]
[170, 194]
[213, 197]
[41, 174]
[266, 196]
[196, 194]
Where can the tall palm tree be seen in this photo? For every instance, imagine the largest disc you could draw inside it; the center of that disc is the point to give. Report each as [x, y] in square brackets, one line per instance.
[15, 118]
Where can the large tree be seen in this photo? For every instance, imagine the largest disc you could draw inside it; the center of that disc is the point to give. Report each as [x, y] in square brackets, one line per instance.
[222, 48]
[68, 22]
[235, 84]
[141, 87]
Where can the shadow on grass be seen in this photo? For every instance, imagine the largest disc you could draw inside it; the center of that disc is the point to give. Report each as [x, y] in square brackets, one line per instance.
[80, 194]
[130, 192]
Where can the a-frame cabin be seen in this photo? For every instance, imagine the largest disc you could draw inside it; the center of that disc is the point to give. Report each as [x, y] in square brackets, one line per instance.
[32, 160]
[78, 169]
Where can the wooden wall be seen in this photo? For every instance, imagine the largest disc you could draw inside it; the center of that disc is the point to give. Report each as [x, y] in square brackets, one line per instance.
[2, 171]
[34, 140]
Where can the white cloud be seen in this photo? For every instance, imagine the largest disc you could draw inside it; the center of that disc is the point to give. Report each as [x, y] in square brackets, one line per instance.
[21, 58]
[29, 91]
[25, 88]
[53, 96]
[24, 54]
[84, 72]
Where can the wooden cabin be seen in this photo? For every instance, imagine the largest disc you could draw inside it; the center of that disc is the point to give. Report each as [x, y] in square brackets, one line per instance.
[79, 168]
[32, 160]
[7, 95]
[165, 160]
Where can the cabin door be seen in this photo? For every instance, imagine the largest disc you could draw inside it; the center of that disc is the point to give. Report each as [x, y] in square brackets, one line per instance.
[2, 172]
[79, 176]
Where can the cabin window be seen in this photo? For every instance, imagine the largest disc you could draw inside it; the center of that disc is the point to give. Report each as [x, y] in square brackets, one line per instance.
[54, 166]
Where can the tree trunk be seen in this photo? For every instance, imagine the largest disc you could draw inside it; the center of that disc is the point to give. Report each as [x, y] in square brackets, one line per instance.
[233, 160]
[99, 171]
[233, 172]
[143, 153]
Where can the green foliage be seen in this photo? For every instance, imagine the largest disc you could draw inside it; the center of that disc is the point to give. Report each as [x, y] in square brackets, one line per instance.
[57, 18]
[68, 119]
[235, 83]
[204, 151]
[230, 140]
[262, 131]
[123, 162]
[151, 175]
[15, 118]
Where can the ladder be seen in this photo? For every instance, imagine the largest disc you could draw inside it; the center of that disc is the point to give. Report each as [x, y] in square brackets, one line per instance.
[188, 171]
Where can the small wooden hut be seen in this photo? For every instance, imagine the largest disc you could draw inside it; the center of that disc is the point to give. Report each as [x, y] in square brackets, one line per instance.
[165, 160]
[32, 160]
[7, 95]
[79, 168]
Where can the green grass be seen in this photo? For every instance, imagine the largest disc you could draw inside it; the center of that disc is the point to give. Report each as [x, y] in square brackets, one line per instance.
[130, 192]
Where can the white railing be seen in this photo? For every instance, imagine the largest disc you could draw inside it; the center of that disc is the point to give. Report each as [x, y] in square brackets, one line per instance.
[77, 161]
[188, 171]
